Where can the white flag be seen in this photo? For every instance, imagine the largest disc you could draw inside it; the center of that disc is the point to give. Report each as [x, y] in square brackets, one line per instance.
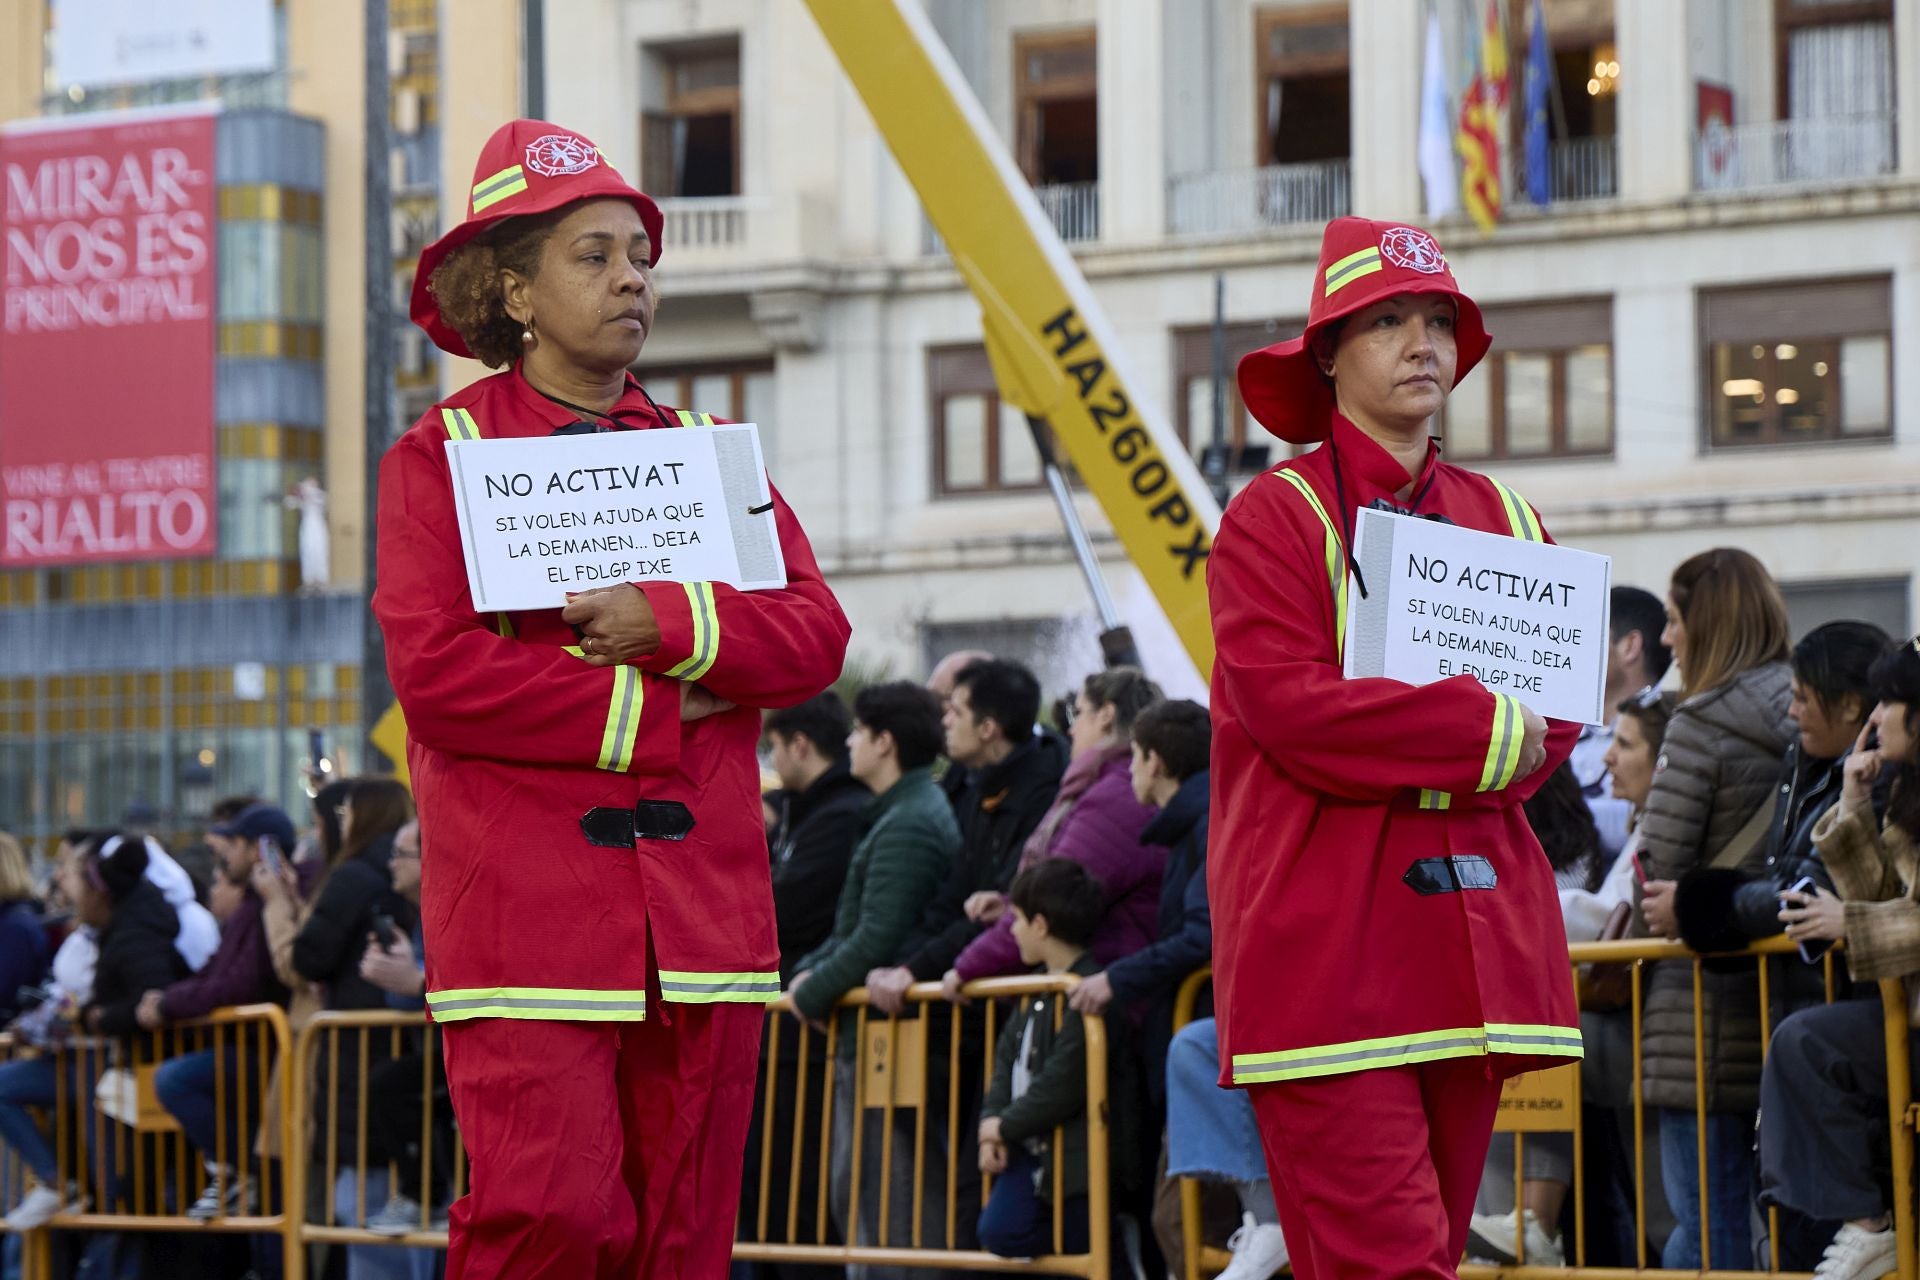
[1436, 130]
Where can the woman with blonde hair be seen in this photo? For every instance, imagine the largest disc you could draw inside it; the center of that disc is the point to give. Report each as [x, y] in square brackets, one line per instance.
[1727, 627]
[23, 938]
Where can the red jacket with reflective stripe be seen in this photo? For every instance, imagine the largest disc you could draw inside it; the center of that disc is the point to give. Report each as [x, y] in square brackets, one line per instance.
[1327, 790]
[512, 738]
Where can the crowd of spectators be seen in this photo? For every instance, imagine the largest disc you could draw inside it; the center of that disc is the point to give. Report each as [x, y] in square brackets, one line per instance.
[1712, 808]
[941, 834]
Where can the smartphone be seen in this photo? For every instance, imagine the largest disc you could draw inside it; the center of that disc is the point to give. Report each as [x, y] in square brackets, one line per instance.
[386, 930]
[1810, 952]
[269, 853]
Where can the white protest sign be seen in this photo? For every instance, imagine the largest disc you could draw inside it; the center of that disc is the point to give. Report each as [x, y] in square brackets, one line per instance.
[546, 515]
[1525, 618]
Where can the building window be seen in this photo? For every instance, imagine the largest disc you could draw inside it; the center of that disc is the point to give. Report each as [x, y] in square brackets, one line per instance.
[1885, 602]
[1836, 57]
[690, 135]
[1547, 395]
[1304, 103]
[1792, 363]
[1057, 105]
[979, 444]
[736, 392]
[1249, 446]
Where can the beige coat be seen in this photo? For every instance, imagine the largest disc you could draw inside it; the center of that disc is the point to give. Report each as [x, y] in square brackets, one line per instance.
[1877, 872]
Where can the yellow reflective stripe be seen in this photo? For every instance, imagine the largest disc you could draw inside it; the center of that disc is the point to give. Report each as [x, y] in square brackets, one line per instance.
[1503, 744]
[508, 182]
[706, 632]
[1336, 559]
[459, 424]
[1395, 1051]
[1435, 799]
[563, 1004]
[1351, 268]
[1520, 518]
[622, 732]
[696, 987]
[1535, 1038]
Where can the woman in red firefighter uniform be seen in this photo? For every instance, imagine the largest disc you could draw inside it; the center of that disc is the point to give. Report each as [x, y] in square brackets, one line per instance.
[1387, 936]
[598, 915]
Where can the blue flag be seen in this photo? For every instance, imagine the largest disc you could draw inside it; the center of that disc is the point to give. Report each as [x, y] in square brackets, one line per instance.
[1539, 74]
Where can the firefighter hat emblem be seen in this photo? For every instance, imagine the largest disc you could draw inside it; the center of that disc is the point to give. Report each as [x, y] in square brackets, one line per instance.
[527, 167]
[1361, 263]
[559, 154]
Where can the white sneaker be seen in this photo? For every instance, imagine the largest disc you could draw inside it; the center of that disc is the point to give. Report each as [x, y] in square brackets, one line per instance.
[1857, 1254]
[38, 1206]
[1258, 1249]
[235, 1202]
[1491, 1237]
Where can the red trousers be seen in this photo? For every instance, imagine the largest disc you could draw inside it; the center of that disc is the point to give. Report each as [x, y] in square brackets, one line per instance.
[1375, 1172]
[602, 1149]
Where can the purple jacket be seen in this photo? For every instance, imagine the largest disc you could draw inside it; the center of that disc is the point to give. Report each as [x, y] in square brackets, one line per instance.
[1101, 832]
[240, 972]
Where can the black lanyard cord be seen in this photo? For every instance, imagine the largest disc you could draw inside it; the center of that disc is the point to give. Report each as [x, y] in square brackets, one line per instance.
[615, 423]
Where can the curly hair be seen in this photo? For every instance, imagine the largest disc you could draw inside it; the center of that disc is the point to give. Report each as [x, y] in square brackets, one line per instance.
[467, 284]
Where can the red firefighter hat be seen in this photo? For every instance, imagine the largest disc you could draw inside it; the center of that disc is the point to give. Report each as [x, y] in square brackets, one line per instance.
[527, 166]
[1361, 262]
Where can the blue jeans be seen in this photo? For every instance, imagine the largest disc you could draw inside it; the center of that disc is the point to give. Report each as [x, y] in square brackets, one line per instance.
[377, 1261]
[32, 1083]
[1017, 1223]
[1211, 1132]
[185, 1086]
[1730, 1172]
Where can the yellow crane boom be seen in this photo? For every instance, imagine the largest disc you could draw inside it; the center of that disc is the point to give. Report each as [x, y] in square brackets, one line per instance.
[1054, 354]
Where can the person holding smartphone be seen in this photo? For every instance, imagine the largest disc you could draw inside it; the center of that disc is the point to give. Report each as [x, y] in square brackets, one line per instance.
[209, 1091]
[1824, 1149]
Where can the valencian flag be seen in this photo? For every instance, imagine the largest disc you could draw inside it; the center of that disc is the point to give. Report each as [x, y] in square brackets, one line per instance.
[1480, 110]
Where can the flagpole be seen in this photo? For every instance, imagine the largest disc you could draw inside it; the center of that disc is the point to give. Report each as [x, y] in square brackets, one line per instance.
[1553, 78]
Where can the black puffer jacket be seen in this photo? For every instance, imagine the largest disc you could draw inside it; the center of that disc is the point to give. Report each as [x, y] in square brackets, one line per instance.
[811, 850]
[328, 950]
[137, 955]
[998, 809]
[1717, 767]
[1724, 910]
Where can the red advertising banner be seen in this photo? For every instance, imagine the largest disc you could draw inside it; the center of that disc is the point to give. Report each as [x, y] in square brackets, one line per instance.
[107, 347]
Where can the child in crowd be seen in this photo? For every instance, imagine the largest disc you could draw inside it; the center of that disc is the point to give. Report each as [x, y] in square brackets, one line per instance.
[1039, 1090]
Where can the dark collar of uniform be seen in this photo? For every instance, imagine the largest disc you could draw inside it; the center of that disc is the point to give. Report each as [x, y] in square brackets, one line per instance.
[538, 415]
[1371, 472]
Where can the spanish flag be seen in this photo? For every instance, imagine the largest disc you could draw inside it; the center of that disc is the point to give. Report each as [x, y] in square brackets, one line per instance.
[1481, 109]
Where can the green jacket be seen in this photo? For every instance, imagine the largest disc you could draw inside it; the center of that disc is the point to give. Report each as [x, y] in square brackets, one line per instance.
[1056, 1099]
[908, 839]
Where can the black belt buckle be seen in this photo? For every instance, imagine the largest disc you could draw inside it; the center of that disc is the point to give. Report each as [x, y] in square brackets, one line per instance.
[1430, 876]
[648, 820]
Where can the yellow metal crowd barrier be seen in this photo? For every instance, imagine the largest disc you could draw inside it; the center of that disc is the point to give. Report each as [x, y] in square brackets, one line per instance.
[127, 1155]
[895, 1076]
[358, 1041]
[1559, 1092]
[816, 1190]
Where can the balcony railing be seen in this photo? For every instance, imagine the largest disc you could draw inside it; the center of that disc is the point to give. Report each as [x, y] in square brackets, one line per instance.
[706, 222]
[1794, 152]
[1215, 204]
[1578, 169]
[1073, 208]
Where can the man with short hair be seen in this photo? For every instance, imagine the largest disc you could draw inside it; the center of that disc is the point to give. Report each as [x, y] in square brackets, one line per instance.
[1636, 660]
[819, 822]
[1012, 774]
[908, 839]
